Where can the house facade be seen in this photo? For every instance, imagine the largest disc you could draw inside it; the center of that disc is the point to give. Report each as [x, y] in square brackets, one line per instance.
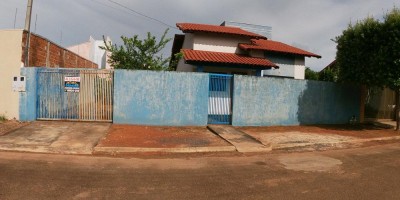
[206, 48]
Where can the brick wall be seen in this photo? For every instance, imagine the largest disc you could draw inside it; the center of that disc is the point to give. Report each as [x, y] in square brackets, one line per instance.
[43, 52]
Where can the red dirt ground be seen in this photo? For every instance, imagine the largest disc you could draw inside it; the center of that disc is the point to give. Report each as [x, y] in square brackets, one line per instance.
[358, 130]
[160, 137]
[10, 125]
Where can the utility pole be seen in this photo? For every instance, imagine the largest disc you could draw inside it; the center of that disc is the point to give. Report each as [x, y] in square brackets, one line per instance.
[15, 18]
[28, 29]
[35, 24]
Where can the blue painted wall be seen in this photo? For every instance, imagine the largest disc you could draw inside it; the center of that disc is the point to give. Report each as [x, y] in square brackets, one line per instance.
[160, 98]
[27, 100]
[178, 99]
[261, 101]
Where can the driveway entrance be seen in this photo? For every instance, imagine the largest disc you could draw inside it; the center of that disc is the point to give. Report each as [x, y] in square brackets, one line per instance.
[74, 94]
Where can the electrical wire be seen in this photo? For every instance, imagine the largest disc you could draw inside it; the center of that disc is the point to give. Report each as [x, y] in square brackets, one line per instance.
[136, 12]
[108, 6]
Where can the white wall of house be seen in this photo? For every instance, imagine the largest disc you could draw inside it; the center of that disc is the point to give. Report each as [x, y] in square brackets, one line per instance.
[10, 65]
[299, 72]
[216, 43]
[188, 41]
[183, 67]
[82, 49]
[289, 65]
[90, 50]
[291, 71]
[209, 42]
[257, 54]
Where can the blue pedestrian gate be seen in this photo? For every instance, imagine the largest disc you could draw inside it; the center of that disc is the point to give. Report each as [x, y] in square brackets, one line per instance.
[75, 94]
[220, 99]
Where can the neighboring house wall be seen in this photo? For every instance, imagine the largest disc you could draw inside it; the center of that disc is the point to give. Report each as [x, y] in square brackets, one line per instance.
[289, 65]
[91, 50]
[10, 65]
[43, 52]
[81, 49]
[277, 101]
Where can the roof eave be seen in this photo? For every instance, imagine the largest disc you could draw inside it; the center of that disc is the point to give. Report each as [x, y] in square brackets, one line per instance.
[195, 62]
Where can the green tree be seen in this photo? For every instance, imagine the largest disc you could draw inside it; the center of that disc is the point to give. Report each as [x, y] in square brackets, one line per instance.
[138, 54]
[310, 74]
[330, 75]
[368, 53]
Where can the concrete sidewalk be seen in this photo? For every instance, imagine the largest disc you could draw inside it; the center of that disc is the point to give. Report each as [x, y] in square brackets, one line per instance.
[321, 137]
[55, 137]
[122, 139]
[104, 138]
[243, 142]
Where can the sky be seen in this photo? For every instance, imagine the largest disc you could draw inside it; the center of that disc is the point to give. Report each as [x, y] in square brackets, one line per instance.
[308, 24]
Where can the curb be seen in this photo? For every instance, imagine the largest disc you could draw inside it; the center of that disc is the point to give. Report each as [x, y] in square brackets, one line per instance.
[163, 150]
[243, 142]
[374, 139]
[355, 141]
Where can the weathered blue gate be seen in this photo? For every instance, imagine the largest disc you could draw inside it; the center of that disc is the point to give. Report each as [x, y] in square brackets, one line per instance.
[74, 94]
[220, 99]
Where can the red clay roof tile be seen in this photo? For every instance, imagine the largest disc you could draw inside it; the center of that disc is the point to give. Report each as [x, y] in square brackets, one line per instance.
[269, 45]
[196, 56]
[190, 28]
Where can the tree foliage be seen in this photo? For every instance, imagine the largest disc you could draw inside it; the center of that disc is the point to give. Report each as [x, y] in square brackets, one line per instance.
[330, 75]
[311, 75]
[138, 54]
[368, 53]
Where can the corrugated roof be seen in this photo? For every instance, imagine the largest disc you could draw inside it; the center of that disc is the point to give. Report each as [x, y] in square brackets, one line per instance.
[190, 28]
[209, 57]
[269, 45]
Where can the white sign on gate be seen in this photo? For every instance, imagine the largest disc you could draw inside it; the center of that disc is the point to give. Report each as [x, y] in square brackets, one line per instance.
[72, 83]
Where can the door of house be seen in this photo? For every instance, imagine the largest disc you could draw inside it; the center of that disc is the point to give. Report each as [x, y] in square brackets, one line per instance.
[220, 99]
[74, 94]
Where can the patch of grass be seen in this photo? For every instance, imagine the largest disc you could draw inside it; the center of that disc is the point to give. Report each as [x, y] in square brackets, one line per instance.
[2, 118]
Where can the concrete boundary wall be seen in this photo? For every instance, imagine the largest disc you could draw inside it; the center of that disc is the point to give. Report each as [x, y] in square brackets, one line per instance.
[181, 99]
[259, 101]
[28, 99]
[160, 98]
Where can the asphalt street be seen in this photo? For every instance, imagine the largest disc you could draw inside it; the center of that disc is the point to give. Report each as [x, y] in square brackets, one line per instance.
[362, 173]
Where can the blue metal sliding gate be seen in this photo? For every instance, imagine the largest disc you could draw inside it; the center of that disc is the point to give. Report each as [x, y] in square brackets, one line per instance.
[220, 99]
[75, 94]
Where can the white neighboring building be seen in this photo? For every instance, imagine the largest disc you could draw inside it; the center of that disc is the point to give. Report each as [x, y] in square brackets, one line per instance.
[259, 29]
[91, 50]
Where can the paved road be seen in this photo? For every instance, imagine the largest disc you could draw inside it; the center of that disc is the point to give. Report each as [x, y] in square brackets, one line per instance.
[367, 173]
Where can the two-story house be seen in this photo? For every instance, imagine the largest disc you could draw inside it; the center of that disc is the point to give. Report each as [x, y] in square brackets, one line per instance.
[232, 50]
